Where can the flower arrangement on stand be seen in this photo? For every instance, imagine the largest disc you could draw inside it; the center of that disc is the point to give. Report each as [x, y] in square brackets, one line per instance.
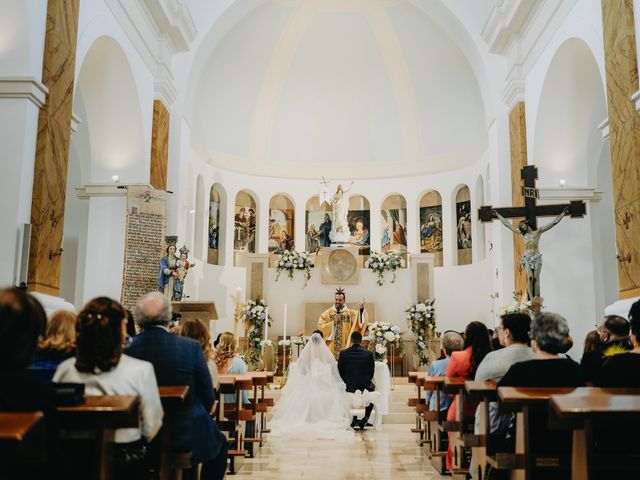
[381, 336]
[530, 307]
[254, 315]
[290, 261]
[421, 318]
[287, 347]
[379, 262]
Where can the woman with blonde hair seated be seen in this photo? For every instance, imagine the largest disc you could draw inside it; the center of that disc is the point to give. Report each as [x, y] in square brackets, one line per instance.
[228, 360]
[195, 328]
[59, 343]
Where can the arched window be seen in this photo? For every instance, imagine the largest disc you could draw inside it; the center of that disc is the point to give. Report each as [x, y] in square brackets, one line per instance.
[281, 224]
[431, 226]
[394, 225]
[216, 226]
[245, 216]
[463, 225]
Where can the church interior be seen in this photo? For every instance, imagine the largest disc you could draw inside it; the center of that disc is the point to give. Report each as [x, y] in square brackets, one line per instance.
[439, 170]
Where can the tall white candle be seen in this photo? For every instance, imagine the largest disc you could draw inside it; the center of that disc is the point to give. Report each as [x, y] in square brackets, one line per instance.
[238, 294]
[285, 321]
[266, 322]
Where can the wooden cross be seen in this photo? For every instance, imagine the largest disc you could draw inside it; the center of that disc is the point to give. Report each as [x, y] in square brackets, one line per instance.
[531, 210]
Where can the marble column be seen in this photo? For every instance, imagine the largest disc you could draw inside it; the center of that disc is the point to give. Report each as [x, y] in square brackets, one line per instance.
[52, 148]
[624, 127]
[159, 146]
[518, 149]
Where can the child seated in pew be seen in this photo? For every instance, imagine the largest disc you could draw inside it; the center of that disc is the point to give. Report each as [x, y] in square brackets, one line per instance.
[101, 365]
[58, 344]
[229, 361]
[451, 342]
[549, 337]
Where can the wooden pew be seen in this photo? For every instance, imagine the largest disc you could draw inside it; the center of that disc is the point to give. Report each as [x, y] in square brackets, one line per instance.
[485, 393]
[434, 423]
[418, 403]
[235, 415]
[526, 462]
[102, 415]
[458, 428]
[174, 401]
[586, 411]
[22, 439]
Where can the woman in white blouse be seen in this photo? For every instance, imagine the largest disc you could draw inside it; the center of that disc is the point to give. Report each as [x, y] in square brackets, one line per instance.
[104, 370]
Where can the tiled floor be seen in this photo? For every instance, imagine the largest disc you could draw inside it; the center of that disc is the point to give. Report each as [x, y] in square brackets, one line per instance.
[391, 453]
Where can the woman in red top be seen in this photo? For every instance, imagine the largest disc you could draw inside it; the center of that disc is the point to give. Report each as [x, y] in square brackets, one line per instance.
[464, 364]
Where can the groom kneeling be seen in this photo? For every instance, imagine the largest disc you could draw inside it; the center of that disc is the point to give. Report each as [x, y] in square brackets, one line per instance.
[356, 367]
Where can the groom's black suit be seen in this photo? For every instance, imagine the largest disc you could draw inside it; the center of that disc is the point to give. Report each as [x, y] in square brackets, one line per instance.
[357, 366]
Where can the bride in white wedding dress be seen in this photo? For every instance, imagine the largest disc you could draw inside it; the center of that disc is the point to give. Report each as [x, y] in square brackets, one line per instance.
[314, 402]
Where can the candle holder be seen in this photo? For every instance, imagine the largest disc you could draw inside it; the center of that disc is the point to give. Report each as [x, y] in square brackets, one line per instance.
[286, 360]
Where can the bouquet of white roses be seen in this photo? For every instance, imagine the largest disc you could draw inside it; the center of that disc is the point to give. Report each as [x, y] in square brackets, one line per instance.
[379, 262]
[254, 315]
[290, 261]
[421, 318]
[381, 335]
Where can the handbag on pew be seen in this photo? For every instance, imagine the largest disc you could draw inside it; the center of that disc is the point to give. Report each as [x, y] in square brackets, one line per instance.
[68, 394]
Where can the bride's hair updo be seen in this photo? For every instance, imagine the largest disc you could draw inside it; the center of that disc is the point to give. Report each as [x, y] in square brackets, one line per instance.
[316, 338]
[225, 350]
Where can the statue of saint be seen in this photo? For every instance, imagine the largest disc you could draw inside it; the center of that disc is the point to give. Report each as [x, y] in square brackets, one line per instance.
[340, 232]
[531, 259]
[183, 265]
[339, 322]
[168, 272]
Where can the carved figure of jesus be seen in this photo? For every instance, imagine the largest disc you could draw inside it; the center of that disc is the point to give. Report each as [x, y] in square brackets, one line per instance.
[340, 205]
[531, 259]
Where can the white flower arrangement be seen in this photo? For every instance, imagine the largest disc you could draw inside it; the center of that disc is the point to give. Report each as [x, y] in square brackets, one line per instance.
[381, 335]
[421, 318]
[379, 262]
[253, 316]
[284, 343]
[523, 305]
[290, 261]
[266, 343]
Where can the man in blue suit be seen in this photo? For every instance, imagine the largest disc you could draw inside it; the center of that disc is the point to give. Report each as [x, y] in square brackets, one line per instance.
[179, 361]
[357, 366]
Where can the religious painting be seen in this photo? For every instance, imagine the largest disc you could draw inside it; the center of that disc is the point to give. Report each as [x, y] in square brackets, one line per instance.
[213, 250]
[281, 218]
[394, 225]
[431, 226]
[359, 220]
[463, 226]
[244, 239]
[318, 223]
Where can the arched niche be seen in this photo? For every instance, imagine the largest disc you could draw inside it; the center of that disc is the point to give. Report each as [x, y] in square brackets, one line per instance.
[245, 218]
[431, 226]
[480, 227]
[216, 233]
[281, 224]
[464, 238]
[359, 220]
[318, 221]
[393, 225]
[198, 243]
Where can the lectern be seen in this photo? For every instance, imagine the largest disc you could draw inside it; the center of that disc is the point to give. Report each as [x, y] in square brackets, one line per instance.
[205, 311]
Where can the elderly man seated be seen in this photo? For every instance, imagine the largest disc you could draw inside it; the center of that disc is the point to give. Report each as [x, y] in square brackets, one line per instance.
[614, 335]
[451, 342]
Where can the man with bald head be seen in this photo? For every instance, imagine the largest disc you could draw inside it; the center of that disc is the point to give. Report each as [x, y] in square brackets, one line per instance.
[179, 361]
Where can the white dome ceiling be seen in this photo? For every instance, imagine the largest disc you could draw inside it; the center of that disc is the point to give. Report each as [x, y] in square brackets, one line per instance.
[297, 88]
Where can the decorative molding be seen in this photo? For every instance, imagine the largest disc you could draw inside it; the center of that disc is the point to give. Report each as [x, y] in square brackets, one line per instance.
[28, 88]
[635, 98]
[505, 23]
[107, 189]
[513, 92]
[570, 193]
[75, 122]
[519, 30]
[158, 29]
[604, 126]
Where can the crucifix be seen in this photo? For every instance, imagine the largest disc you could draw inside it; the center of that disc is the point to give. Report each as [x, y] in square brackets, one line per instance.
[531, 260]
[324, 193]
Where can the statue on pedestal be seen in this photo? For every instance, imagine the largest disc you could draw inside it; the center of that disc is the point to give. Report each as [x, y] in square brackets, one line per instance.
[340, 232]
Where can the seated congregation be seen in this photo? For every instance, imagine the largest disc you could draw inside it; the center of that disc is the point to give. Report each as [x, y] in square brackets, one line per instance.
[83, 396]
[492, 408]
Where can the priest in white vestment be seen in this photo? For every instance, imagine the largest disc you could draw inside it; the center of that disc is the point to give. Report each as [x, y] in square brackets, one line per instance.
[339, 322]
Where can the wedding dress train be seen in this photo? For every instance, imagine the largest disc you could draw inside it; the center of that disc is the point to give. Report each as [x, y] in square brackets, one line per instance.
[314, 403]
